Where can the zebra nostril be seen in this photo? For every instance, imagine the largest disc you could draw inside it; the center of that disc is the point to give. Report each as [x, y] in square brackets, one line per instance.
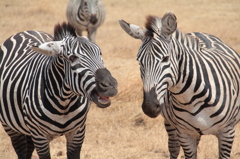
[103, 85]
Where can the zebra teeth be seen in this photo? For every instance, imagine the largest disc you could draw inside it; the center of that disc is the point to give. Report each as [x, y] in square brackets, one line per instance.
[103, 100]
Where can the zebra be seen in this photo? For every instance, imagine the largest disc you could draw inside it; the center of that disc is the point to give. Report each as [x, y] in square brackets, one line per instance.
[192, 80]
[47, 85]
[86, 15]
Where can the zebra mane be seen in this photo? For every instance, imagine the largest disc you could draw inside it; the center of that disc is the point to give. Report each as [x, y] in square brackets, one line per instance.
[63, 30]
[154, 24]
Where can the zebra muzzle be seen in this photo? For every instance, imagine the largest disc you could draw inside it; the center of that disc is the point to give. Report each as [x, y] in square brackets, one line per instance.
[103, 100]
[100, 100]
[151, 106]
[93, 19]
[106, 87]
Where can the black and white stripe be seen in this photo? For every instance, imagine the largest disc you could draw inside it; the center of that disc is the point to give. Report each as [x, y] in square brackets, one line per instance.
[86, 15]
[192, 79]
[47, 84]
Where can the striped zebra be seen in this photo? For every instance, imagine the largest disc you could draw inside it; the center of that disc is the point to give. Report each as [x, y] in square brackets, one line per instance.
[86, 15]
[192, 80]
[47, 85]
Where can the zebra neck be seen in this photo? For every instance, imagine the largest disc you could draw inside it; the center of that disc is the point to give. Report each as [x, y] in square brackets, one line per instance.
[55, 86]
[185, 42]
[184, 46]
[189, 82]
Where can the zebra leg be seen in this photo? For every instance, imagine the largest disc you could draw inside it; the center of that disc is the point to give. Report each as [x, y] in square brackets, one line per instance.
[92, 34]
[79, 32]
[225, 140]
[74, 143]
[189, 144]
[173, 142]
[41, 143]
[30, 147]
[19, 142]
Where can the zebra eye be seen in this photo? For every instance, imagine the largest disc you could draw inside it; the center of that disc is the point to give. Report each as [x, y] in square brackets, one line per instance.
[165, 59]
[73, 58]
[85, 3]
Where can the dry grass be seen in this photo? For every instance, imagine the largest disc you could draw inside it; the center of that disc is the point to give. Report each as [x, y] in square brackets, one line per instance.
[122, 131]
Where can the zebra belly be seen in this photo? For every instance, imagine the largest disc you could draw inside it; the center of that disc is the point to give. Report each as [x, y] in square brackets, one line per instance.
[204, 122]
[58, 122]
[12, 115]
[16, 123]
[52, 130]
[11, 110]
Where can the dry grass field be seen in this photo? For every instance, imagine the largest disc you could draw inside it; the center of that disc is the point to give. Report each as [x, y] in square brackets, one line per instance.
[122, 131]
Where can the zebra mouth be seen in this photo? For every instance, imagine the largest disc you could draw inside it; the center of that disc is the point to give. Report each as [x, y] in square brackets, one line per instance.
[101, 100]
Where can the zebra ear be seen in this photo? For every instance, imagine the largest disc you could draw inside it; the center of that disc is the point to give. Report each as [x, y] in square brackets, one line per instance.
[169, 24]
[133, 30]
[49, 48]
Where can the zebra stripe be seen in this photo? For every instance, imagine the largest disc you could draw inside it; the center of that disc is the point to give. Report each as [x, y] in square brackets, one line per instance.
[43, 97]
[192, 79]
[86, 15]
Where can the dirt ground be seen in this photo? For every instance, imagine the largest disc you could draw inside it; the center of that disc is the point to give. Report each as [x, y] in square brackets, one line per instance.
[122, 131]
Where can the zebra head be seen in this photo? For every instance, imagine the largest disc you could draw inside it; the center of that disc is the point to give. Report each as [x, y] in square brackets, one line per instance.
[84, 70]
[90, 9]
[155, 59]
